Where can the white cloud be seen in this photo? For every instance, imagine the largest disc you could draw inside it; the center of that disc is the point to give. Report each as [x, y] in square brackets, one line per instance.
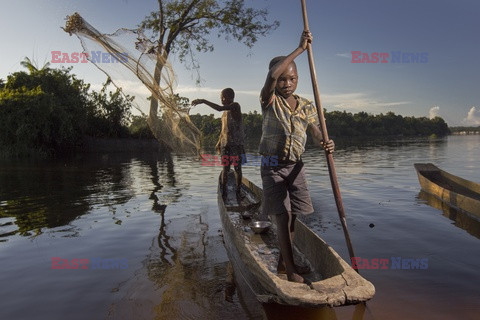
[347, 55]
[130, 87]
[356, 101]
[193, 89]
[207, 90]
[135, 88]
[351, 101]
[434, 112]
[96, 86]
[473, 117]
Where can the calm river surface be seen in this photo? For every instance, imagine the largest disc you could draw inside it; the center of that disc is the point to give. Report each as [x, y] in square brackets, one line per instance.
[158, 219]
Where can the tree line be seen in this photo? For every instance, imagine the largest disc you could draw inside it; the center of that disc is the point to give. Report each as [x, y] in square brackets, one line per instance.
[465, 130]
[340, 125]
[47, 112]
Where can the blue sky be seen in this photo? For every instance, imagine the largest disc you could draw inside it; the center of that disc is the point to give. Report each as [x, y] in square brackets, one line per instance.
[446, 30]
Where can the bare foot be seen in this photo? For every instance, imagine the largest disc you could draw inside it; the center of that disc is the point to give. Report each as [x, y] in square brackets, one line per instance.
[299, 279]
[295, 278]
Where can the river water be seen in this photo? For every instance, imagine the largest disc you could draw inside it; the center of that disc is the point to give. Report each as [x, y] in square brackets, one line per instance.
[150, 227]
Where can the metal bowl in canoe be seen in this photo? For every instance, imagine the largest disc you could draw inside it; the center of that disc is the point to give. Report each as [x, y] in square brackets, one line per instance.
[260, 226]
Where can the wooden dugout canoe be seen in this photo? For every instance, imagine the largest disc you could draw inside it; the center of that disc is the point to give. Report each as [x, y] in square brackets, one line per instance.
[255, 256]
[458, 193]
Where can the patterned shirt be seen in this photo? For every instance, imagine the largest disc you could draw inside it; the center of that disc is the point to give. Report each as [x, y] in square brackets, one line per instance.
[284, 133]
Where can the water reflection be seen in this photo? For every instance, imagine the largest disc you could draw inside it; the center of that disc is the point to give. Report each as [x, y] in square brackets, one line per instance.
[178, 266]
[461, 219]
[49, 195]
[281, 312]
[387, 143]
[34, 196]
[183, 264]
[157, 186]
[164, 169]
[183, 267]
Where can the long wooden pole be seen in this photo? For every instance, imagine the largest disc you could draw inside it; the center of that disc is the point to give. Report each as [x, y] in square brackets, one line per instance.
[323, 127]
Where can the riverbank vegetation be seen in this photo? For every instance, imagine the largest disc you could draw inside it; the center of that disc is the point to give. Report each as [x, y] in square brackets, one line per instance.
[339, 124]
[50, 112]
[465, 130]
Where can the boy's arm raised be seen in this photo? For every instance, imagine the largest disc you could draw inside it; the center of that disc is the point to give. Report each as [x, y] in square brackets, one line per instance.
[276, 71]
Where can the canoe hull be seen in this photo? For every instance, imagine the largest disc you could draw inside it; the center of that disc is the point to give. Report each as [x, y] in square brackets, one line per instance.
[465, 221]
[338, 284]
[458, 193]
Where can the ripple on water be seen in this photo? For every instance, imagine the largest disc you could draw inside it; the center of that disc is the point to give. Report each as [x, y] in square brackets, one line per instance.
[170, 233]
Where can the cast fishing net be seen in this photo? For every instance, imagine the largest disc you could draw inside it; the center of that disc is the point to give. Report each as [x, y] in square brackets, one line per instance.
[134, 64]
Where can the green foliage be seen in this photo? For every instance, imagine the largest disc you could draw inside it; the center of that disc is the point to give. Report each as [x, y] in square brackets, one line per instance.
[209, 126]
[42, 113]
[343, 124]
[109, 114]
[339, 124]
[465, 129]
[139, 128]
[47, 112]
[252, 122]
[31, 66]
[184, 27]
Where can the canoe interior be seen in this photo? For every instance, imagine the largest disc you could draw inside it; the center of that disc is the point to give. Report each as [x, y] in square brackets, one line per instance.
[448, 181]
[255, 256]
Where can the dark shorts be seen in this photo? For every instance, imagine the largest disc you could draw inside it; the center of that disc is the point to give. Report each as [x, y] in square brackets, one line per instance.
[285, 189]
[234, 151]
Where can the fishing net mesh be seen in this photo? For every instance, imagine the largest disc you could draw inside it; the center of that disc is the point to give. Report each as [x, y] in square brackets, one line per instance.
[132, 62]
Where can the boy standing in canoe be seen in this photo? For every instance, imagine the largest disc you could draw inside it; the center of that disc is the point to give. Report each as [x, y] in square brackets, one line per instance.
[286, 118]
[231, 140]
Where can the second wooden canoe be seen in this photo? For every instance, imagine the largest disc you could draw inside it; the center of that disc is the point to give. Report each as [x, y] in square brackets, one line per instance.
[457, 192]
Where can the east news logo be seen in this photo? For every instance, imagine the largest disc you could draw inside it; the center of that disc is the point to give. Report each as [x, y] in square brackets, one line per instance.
[398, 263]
[93, 56]
[95, 263]
[392, 57]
